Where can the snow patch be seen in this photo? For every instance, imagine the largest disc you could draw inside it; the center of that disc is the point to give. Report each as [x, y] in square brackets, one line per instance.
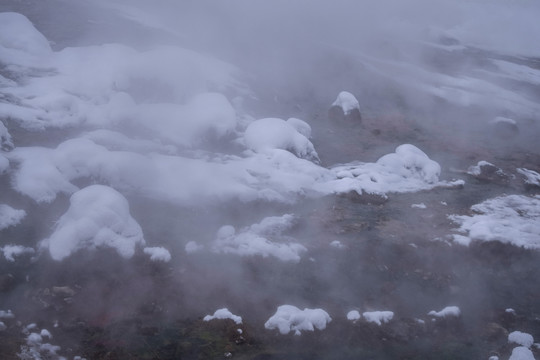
[353, 315]
[419, 206]
[223, 314]
[98, 216]
[10, 216]
[290, 318]
[378, 317]
[531, 177]
[521, 338]
[449, 311]
[11, 251]
[158, 253]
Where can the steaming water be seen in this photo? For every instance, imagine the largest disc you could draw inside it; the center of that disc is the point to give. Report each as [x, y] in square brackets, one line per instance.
[391, 256]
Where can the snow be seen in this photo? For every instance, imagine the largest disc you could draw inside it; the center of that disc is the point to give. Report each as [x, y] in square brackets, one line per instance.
[521, 353]
[2, 326]
[419, 206]
[4, 164]
[476, 170]
[262, 239]
[10, 251]
[158, 253]
[301, 126]
[223, 314]
[353, 315]
[98, 216]
[510, 311]
[290, 318]
[531, 177]
[521, 338]
[6, 314]
[337, 244]
[5, 138]
[192, 247]
[273, 133]
[512, 219]
[347, 102]
[18, 35]
[35, 349]
[10, 216]
[449, 311]
[502, 119]
[378, 317]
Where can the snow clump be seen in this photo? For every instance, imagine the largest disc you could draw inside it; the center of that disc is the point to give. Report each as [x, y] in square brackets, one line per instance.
[511, 219]
[290, 318]
[347, 102]
[98, 216]
[353, 315]
[273, 133]
[10, 216]
[449, 311]
[264, 238]
[521, 338]
[224, 314]
[158, 253]
[378, 317]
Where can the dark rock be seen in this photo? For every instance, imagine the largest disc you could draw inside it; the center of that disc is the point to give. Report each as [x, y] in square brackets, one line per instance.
[485, 171]
[336, 114]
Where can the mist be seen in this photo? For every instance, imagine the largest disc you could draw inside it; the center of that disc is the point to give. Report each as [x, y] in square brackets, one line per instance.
[352, 179]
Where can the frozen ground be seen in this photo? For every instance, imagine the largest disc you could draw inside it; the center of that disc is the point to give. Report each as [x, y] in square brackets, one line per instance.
[160, 162]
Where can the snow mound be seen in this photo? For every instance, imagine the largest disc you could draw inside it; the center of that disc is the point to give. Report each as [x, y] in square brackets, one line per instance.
[521, 338]
[223, 314]
[449, 311]
[10, 216]
[273, 133]
[18, 34]
[290, 318]
[301, 126]
[511, 219]
[353, 315]
[378, 317]
[98, 216]
[347, 102]
[158, 253]
[11, 251]
[263, 239]
[521, 353]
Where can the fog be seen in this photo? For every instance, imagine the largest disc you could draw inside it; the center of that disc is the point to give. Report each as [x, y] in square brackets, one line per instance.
[161, 160]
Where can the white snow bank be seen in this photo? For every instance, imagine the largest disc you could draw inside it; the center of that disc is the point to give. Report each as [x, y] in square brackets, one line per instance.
[353, 315]
[347, 102]
[158, 253]
[409, 169]
[378, 317]
[512, 219]
[521, 353]
[224, 314]
[290, 318]
[10, 216]
[273, 133]
[263, 239]
[521, 338]
[10, 251]
[98, 216]
[531, 177]
[449, 311]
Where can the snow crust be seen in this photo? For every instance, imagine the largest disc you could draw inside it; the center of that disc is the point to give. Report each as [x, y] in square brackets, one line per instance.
[224, 314]
[263, 239]
[521, 338]
[98, 216]
[10, 216]
[158, 253]
[273, 133]
[512, 219]
[378, 317]
[347, 102]
[449, 311]
[290, 318]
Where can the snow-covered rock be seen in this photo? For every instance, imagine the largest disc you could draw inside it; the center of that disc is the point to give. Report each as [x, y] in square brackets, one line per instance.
[223, 314]
[378, 317]
[521, 353]
[353, 315]
[449, 311]
[158, 253]
[264, 239]
[273, 133]
[521, 338]
[290, 318]
[532, 178]
[10, 216]
[512, 219]
[98, 216]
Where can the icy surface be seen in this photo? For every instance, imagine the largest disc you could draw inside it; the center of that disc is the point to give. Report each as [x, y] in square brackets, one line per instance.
[98, 216]
[378, 317]
[449, 311]
[290, 318]
[223, 314]
[521, 338]
[512, 219]
[347, 102]
[10, 216]
[263, 239]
